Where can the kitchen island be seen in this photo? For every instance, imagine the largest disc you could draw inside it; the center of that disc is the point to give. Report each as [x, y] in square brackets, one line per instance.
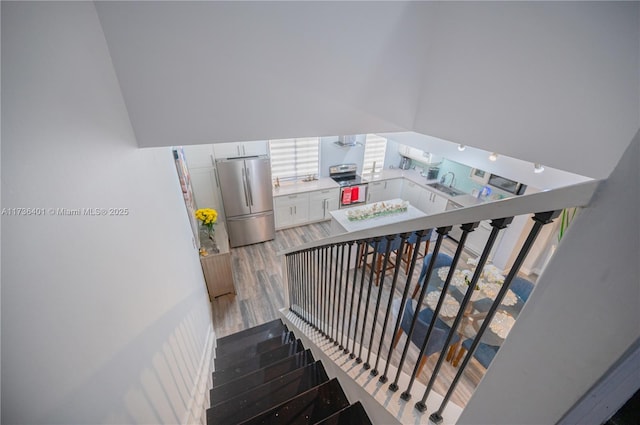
[340, 222]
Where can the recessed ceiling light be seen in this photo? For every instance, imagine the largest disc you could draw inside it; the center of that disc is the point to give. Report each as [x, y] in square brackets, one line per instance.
[538, 168]
[461, 147]
[493, 156]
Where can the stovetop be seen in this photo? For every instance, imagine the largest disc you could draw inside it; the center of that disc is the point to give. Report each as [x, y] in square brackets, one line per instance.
[345, 174]
[345, 181]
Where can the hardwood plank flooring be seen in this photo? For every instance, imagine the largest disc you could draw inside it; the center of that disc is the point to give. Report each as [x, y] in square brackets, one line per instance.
[258, 281]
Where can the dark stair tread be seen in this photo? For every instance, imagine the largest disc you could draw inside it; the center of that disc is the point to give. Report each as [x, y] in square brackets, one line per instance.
[249, 340]
[274, 324]
[309, 407]
[352, 415]
[223, 376]
[246, 353]
[260, 376]
[264, 397]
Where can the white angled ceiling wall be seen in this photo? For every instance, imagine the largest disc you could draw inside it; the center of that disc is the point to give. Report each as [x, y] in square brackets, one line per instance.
[540, 81]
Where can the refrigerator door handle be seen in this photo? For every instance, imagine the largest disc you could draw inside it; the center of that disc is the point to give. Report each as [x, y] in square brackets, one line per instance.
[244, 186]
[249, 187]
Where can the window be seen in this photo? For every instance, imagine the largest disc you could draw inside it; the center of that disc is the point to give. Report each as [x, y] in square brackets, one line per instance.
[294, 158]
[374, 151]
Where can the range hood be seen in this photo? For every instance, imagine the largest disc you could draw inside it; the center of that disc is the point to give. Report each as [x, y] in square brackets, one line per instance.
[348, 141]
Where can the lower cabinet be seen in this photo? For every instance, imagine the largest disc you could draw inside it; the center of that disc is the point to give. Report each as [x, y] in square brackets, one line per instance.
[384, 190]
[291, 210]
[432, 203]
[413, 193]
[321, 203]
[477, 239]
[303, 208]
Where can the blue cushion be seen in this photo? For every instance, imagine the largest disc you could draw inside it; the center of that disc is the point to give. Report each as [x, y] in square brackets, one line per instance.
[484, 353]
[442, 260]
[414, 237]
[382, 245]
[438, 335]
[521, 287]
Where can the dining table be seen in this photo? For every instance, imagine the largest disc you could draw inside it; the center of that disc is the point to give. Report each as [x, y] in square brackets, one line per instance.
[485, 292]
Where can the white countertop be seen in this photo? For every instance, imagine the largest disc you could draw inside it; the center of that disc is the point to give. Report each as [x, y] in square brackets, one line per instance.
[353, 226]
[299, 186]
[415, 177]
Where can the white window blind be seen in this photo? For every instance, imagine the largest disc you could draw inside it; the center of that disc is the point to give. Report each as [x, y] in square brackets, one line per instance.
[374, 151]
[293, 158]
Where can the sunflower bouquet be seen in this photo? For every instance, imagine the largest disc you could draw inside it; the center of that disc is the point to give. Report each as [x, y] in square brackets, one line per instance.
[208, 218]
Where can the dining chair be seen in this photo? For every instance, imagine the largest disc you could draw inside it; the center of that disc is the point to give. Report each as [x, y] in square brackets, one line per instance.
[442, 260]
[381, 251]
[438, 334]
[407, 255]
[484, 353]
[521, 287]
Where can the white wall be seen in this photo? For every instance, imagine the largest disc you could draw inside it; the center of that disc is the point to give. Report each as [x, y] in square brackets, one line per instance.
[550, 82]
[104, 319]
[203, 72]
[581, 317]
[332, 154]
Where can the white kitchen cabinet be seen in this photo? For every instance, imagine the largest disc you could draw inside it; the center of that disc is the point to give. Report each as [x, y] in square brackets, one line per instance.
[432, 203]
[477, 239]
[413, 193]
[240, 149]
[291, 210]
[414, 153]
[204, 182]
[383, 190]
[199, 156]
[321, 202]
[205, 188]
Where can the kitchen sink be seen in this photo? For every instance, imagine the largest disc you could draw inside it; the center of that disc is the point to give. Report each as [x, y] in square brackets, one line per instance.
[446, 189]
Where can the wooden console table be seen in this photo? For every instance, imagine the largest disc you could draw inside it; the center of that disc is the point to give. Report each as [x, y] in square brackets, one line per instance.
[216, 266]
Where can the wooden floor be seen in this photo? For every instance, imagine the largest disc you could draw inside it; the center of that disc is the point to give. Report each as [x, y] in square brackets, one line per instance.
[258, 281]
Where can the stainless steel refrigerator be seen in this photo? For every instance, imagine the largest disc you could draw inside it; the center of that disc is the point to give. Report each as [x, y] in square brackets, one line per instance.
[248, 200]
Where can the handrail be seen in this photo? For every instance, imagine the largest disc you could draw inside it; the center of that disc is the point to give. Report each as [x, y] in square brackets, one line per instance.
[320, 285]
[577, 195]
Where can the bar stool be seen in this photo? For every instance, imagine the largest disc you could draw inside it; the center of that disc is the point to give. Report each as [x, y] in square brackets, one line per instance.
[381, 251]
[409, 247]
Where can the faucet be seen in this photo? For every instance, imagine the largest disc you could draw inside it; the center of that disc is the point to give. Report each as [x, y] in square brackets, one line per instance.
[453, 178]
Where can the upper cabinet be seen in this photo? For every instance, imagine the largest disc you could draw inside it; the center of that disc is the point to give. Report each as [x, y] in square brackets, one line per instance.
[241, 149]
[199, 156]
[413, 153]
[204, 181]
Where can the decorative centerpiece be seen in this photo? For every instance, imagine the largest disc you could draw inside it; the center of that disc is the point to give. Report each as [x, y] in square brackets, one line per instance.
[377, 209]
[489, 283]
[208, 218]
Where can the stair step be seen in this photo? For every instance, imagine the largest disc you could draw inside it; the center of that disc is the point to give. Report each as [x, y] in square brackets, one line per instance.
[260, 376]
[352, 415]
[269, 325]
[222, 376]
[248, 340]
[309, 407]
[264, 397]
[246, 353]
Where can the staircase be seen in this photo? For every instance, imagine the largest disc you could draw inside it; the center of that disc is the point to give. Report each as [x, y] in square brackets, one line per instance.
[264, 375]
